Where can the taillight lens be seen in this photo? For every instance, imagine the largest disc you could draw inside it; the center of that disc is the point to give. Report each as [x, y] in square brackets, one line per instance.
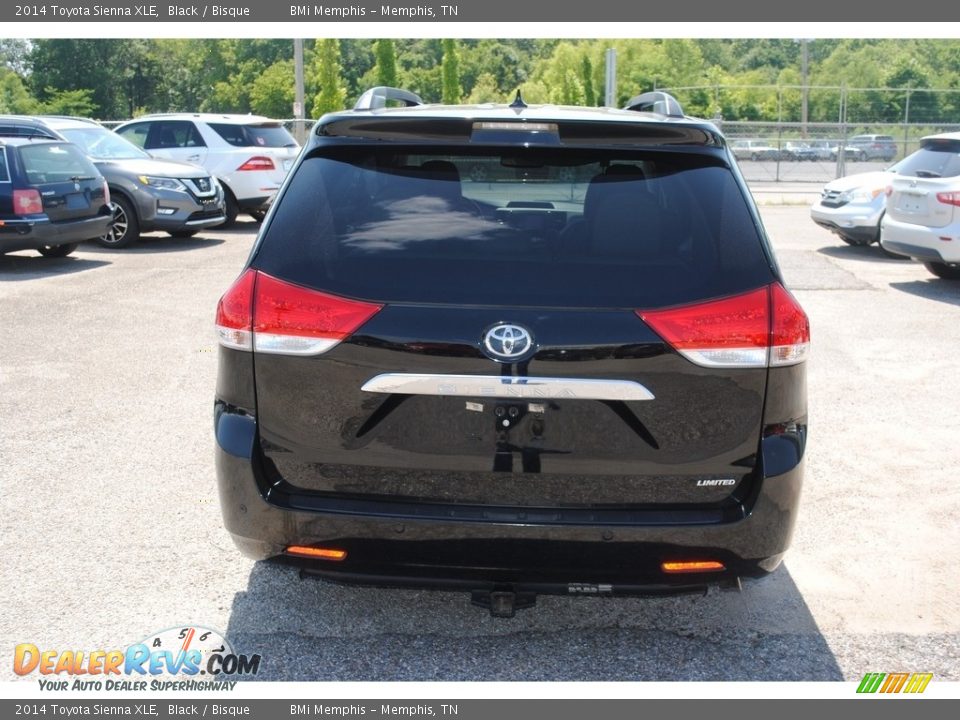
[757, 328]
[235, 313]
[27, 202]
[258, 162]
[789, 328]
[949, 198]
[268, 315]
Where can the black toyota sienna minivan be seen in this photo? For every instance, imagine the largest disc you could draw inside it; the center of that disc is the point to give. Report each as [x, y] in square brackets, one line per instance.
[513, 350]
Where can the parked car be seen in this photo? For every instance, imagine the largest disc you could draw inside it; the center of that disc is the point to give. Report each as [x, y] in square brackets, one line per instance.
[797, 150]
[754, 150]
[870, 147]
[511, 387]
[248, 154]
[822, 149]
[51, 197]
[922, 219]
[852, 207]
[147, 194]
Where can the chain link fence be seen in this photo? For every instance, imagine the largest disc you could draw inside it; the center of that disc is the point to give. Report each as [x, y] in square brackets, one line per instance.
[820, 152]
[821, 132]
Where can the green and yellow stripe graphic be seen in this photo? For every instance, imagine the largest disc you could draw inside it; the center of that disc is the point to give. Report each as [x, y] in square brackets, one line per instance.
[894, 682]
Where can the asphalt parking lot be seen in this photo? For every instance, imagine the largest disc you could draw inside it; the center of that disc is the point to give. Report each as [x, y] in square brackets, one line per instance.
[111, 529]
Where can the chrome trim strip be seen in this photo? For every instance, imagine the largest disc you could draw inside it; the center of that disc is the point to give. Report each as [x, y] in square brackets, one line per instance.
[506, 387]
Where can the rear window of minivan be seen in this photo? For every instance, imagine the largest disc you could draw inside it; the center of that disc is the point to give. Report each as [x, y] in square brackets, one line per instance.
[515, 226]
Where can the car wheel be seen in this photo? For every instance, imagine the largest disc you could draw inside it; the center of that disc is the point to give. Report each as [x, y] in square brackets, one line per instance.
[855, 242]
[57, 251]
[754, 157]
[125, 228]
[943, 270]
[861, 156]
[230, 209]
[185, 233]
[258, 215]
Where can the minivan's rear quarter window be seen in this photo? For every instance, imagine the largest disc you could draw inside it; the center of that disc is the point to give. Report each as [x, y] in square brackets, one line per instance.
[517, 227]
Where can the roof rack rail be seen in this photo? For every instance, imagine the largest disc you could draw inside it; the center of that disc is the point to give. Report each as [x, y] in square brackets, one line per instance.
[656, 102]
[376, 98]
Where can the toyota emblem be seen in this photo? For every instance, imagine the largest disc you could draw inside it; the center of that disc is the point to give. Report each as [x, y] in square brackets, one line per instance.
[507, 342]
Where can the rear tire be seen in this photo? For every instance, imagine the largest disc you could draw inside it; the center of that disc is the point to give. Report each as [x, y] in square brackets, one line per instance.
[943, 270]
[258, 215]
[855, 242]
[230, 209]
[124, 230]
[57, 251]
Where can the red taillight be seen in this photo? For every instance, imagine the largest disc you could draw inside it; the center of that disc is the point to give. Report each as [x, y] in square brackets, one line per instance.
[27, 202]
[757, 328]
[789, 328]
[258, 162]
[949, 198]
[235, 313]
[269, 315]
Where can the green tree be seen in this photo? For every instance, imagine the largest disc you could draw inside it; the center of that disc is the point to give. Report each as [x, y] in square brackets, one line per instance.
[386, 66]
[451, 73]
[485, 90]
[68, 102]
[273, 91]
[586, 78]
[15, 99]
[332, 94]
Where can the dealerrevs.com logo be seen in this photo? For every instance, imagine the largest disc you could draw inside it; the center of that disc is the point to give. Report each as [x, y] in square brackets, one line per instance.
[190, 657]
[892, 683]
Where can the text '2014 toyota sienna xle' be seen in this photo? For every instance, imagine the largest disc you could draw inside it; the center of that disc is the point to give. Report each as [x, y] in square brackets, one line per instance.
[578, 373]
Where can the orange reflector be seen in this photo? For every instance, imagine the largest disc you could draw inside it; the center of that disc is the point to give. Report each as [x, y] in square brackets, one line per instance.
[317, 552]
[692, 566]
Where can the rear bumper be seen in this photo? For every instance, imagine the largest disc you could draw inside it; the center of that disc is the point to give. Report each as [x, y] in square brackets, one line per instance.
[920, 242]
[438, 546]
[27, 234]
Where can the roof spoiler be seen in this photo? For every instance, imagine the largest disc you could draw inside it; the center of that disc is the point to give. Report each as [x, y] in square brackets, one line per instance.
[656, 102]
[376, 98]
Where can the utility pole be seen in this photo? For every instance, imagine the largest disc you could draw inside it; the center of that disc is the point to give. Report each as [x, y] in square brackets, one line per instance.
[610, 94]
[805, 84]
[298, 109]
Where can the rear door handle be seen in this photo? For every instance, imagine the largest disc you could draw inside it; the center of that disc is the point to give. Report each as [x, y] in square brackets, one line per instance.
[193, 158]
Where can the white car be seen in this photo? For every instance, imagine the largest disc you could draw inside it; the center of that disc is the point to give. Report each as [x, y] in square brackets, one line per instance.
[923, 207]
[851, 207]
[248, 154]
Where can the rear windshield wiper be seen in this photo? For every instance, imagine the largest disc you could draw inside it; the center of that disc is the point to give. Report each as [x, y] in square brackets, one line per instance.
[928, 174]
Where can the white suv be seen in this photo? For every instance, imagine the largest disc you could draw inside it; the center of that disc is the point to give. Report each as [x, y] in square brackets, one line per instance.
[248, 154]
[923, 207]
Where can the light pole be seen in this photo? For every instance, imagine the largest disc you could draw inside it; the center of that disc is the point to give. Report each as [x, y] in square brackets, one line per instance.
[804, 84]
[298, 109]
